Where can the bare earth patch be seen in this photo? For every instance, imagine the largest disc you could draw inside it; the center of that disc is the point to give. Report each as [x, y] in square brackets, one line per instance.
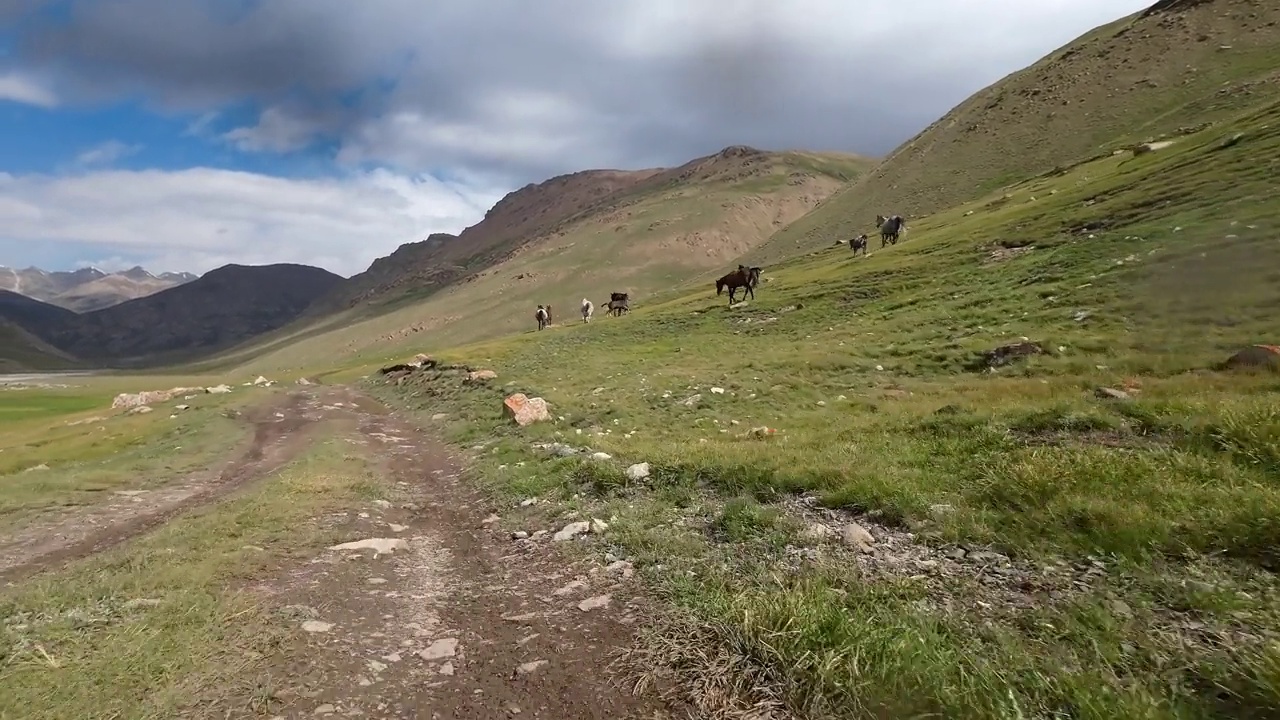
[444, 615]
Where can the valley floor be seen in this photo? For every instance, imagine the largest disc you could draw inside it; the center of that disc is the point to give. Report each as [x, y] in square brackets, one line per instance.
[229, 592]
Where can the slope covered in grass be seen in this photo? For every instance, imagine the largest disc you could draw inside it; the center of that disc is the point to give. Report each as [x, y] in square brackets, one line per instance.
[1153, 75]
[651, 235]
[1039, 550]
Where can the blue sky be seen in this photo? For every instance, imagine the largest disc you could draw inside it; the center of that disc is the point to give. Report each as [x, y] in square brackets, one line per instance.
[186, 134]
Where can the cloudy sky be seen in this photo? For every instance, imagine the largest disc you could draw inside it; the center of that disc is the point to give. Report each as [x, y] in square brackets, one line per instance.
[186, 134]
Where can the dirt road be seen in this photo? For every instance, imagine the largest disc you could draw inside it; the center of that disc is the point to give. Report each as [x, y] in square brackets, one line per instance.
[443, 616]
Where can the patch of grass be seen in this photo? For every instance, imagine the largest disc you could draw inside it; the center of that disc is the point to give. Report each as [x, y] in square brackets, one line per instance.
[78, 449]
[858, 368]
[166, 624]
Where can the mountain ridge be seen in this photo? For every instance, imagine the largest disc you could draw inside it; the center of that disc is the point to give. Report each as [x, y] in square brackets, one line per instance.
[89, 288]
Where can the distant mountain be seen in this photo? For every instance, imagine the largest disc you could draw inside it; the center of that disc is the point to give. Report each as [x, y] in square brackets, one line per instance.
[88, 289]
[223, 308]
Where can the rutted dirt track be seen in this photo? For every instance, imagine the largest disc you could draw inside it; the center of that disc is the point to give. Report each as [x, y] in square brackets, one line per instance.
[452, 620]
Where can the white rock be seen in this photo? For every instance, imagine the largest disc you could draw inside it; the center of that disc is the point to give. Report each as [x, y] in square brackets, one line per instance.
[261, 381]
[440, 649]
[854, 535]
[218, 389]
[397, 528]
[519, 535]
[639, 471]
[383, 504]
[601, 456]
[598, 526]
[527, 502]
[817, 532]
[379, 546]
[570, 589]
[572, 530]
[446, 669]
[325, 709]
[316, 626]
[717, 391]
[593, 603]
[529, 667]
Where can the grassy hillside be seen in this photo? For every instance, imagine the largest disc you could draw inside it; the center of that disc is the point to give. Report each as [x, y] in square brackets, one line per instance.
[1153, 75]
[1134, 536]
[20, 352]
[656, 232]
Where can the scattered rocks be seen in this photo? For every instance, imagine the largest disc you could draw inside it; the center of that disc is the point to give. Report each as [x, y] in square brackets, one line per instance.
[150, 397]
[817, 533]
[526, 410]
[639, 471]
[218, 389]
[621, 567]
[260, 380]
[595, 603]
[316, 626]
[440, 649]
[379, 546]
[692, 400]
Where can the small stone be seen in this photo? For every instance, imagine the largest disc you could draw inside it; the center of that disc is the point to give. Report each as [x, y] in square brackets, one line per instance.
[382, 504]
[446, 669]
[593, 603]
[379, 546]
[376, 581]
[639, 471]
[956, 553]
[572, 530]
[376, 667]
[439, 416]
[856, 536]
[717, 391]
[601, 456]
[491, 519]
[316, 626]
[519, 535]
[440, 649]
[1106, 393]
[817, 532]
[529, 667]
[570, 589]
[621, 567]
[527, 502]
[325, 709]
[397, 528]
[598, 526]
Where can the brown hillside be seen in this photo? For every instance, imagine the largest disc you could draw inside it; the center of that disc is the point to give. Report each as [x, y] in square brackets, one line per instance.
[415, 269]
[1156, 74]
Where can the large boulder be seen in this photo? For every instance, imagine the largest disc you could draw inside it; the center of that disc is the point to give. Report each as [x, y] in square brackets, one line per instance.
[1264, 357]
[526, 410]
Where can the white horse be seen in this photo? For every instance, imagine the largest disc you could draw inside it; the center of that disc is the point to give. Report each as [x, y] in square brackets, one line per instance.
[587, 309]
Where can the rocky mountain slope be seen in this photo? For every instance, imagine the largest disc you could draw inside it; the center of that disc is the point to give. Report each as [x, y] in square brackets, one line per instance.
[88, 289]
[224, 307]
[1155, 75]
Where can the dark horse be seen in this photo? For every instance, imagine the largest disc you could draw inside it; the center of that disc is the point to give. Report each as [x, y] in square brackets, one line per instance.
[542, 317]
[743, 277]
[618, 304]
[859, 243]
[890, 228]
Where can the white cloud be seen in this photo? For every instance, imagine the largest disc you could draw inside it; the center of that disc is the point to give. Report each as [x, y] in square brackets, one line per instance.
[106, 153]
[20, 89]
[276, 131]
[203, 218]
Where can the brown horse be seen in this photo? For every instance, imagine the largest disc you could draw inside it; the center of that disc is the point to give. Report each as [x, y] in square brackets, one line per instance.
[743, 277]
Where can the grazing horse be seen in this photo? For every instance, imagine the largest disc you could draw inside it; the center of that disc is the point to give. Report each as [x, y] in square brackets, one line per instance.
[542, 317]
[619, 303]
[587, 309]
[743, 277]
[890, 228]
[859, 243]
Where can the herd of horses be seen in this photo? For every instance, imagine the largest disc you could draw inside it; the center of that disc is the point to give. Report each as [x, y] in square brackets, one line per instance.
[744, 278]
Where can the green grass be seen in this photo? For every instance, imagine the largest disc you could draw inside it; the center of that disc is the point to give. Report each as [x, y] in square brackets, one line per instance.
[1144, 273]
[73, 646]
[67, 446]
